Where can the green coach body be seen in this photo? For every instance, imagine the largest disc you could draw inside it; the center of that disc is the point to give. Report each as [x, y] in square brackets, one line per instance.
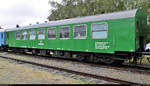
[106, 33]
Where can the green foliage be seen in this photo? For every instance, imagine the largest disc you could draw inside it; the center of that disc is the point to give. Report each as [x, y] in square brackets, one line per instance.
[77, 8]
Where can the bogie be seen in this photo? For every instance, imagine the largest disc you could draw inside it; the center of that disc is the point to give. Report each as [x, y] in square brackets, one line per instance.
[34, 52]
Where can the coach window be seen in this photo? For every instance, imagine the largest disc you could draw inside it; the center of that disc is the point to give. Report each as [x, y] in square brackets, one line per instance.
[41, 34]
[99, 31]
[17, 35]
[24, 35]
[32, 35]
[64, 33]
[52, 33]
[80, 32]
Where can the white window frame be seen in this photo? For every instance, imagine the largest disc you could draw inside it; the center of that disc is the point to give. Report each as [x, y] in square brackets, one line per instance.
[56, 33]
[30, 34]
[92, 30]
[38, 33]
[16, 35]
[69, 32]
[74, 31]
[26, 35]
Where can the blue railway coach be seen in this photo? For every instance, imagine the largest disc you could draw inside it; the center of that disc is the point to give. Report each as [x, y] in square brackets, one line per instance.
[2, 39]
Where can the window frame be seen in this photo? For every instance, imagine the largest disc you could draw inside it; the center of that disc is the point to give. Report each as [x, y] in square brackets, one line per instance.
[16, 35]
[74, 31]
[22, 35]
[69, 32]
[30, 34]
[38, 33]
[99, 23]
[56, 33]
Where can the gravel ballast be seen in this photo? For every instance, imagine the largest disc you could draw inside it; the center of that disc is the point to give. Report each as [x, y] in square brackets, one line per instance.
[113, 73]
[18, 74]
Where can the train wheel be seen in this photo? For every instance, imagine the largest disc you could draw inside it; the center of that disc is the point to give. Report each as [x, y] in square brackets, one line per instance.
[96, 59]
[81, 58]
[6, 50]
[22, 51]
[108, 60]
[118, 62]
[34, 52]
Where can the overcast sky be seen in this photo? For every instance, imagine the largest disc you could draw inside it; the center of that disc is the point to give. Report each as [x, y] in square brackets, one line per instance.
[23, 12]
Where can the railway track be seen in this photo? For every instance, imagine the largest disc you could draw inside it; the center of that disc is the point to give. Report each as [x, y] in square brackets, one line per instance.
[125, 67]
[73, 72]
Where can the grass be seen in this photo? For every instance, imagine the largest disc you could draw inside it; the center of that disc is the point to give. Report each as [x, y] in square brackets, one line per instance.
[143, 60]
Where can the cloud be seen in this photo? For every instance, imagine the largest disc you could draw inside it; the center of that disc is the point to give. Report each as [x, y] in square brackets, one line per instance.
[21, 12]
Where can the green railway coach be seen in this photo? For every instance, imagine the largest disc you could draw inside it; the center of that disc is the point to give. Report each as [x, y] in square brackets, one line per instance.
[108, 38]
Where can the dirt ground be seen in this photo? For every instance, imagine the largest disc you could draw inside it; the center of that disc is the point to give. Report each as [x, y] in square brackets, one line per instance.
[17, 74]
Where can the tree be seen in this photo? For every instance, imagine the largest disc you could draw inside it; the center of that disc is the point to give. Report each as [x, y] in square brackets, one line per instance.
[77, 8]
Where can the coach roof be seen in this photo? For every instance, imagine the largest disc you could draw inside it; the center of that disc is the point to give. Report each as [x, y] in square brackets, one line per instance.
[109, 16]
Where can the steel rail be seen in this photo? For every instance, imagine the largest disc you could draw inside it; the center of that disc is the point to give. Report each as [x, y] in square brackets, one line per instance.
[124, 67]
[74, 72]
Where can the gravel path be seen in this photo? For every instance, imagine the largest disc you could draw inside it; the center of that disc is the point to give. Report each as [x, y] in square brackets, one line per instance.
[18, 74]
[123, 75]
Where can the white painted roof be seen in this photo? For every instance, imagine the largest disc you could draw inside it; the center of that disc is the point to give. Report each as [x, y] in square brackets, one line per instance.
[2, 30]
[109, 16]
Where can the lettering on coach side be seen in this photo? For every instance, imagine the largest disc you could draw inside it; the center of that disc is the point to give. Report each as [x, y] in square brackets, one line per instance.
[102, 45]
[41, 43]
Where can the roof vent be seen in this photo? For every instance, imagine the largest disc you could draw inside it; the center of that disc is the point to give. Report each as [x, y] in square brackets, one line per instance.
[37, 22]
[45, 21]
[17, 26]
